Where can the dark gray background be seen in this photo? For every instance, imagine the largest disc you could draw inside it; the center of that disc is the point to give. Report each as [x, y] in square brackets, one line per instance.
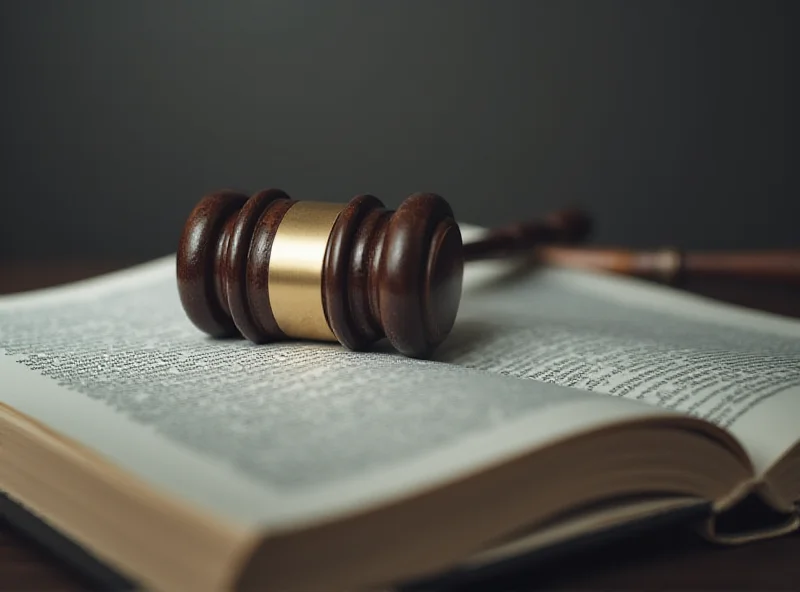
[670, 121]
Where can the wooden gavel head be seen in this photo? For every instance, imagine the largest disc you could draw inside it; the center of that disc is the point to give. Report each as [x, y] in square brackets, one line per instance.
[271, 268]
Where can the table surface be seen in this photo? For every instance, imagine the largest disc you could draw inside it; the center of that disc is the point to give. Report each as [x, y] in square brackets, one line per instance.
[671, 559]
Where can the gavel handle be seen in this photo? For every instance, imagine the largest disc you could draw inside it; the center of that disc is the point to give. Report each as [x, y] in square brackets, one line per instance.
[567, 226]
[673, 265]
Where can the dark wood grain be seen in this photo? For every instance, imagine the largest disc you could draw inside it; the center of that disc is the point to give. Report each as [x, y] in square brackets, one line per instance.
[393, 274]
[349, 268]
[566, 226]
[666, 560]
[676, 266]
[410, 253]
[236, 272]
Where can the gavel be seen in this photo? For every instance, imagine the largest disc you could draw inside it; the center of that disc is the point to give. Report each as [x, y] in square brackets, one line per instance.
[271, 268]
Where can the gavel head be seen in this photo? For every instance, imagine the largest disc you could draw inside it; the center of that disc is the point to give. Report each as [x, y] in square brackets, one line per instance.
[271, 268]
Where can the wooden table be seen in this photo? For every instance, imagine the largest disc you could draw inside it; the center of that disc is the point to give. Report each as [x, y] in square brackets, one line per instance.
[667, 560]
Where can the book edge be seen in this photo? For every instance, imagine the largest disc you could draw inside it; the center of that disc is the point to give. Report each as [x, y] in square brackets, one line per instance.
[98, 574]
[529, 561]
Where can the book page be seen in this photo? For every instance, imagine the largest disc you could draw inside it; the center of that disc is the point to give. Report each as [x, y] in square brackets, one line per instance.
[268, 433]
[737, 368]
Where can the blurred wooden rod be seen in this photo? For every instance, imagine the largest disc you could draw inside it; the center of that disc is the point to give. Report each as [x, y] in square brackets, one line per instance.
[569, 225]
[674, 265]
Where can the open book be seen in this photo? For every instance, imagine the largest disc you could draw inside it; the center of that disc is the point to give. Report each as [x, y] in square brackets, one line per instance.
[563, 403]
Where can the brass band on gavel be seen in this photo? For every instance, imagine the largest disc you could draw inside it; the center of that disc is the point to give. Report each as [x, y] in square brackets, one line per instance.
[295, 270]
